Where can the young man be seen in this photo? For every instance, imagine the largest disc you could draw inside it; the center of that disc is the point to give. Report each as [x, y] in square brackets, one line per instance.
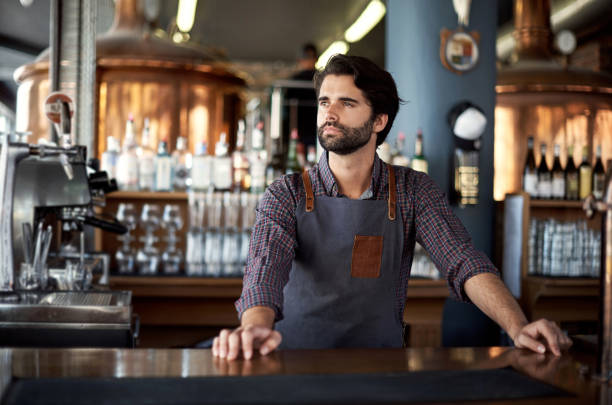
[331, 250]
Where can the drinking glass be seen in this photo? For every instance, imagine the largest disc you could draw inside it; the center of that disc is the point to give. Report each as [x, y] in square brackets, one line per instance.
[125, 255]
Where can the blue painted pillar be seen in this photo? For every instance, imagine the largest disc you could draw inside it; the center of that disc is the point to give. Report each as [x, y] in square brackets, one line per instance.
[430, 90]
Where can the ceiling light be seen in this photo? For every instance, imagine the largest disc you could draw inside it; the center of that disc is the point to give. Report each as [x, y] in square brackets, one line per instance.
[373, 13]
[334, 48]
[186, 14]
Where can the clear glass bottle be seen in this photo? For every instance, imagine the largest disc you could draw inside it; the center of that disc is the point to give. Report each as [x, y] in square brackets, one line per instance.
[201, 169]
[544, 176]
[530, 174]
[258, 158]
[293, 164]
[108, 161]
[240, 161]
[163, 167]
[146, 160]
[419, 162]
[558, 176]
[399, 159]
[181, 165]
[585, 175]
[222, 166]
[127, 163]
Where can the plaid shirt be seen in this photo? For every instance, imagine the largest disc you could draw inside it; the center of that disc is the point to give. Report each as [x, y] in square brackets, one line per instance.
[424, 211]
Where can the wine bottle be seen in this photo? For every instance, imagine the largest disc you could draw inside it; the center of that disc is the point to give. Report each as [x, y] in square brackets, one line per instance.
[599, 176]
[571, 176]
[544, 176]
[585, 175]
[558, 176]
[163, 167]
[293, 164]
[530, 175]
[419, 162]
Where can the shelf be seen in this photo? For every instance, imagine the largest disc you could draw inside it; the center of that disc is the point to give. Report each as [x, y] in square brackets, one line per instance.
[146, 195]
[426, 288]
[555, 204]
[163, 286]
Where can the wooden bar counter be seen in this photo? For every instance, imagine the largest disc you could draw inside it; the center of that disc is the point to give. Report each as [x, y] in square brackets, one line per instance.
[571, 372]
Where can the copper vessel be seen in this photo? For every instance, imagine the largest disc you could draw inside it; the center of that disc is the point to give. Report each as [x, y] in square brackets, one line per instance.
[180, 88]
[539, 97]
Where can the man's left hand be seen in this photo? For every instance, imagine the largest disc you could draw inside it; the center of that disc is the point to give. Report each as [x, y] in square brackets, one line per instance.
[542, 336]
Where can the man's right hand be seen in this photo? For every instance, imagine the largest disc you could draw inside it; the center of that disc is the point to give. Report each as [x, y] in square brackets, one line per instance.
[255, 333]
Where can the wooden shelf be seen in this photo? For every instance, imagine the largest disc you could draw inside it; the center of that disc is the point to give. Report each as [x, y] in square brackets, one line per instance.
[146, 195]
[555, 204]
[183, 287]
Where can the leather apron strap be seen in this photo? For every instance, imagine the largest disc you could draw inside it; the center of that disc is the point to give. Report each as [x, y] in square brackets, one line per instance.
[309, 193]
[391, 201]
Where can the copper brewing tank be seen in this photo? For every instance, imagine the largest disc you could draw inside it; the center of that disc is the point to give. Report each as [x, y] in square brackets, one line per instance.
[556, 104]
[181, 89]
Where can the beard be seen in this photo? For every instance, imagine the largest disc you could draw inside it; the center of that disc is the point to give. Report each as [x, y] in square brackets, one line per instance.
[351, 139]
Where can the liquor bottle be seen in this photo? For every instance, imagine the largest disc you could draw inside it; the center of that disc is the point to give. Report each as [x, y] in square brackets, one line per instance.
[181, 165]
[146, 160]
[599, 176]
[558, 176]
[293, 165]
[398, 158]
[276, 166]
[109, 158]
[201, 171]
[530, 175]
[571, 176]
[222, 165]
[240, 161]
[127, 163]
[585, 175]
[419, 163]
[163, 167]
[258, 158]
[544, 176]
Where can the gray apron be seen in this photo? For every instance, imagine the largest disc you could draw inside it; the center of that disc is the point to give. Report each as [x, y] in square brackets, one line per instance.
[343, 284]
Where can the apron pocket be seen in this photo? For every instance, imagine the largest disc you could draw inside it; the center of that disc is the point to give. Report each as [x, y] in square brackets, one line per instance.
[367, 256]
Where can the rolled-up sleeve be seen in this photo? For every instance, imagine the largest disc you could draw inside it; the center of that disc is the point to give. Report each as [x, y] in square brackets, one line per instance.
[445, 238]
[271, 249]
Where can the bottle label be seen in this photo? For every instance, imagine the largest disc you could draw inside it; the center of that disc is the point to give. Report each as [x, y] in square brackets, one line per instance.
[558, 186]
[572, 186]
[201, 172]
[127, 172]
[181, 176]
[599, 180]
[109, 164]
[531, 184]
[258, 174]
[586, 174]
[146, 173]
[163, 173]
[222, 173]
[544, 188]
[420, 165]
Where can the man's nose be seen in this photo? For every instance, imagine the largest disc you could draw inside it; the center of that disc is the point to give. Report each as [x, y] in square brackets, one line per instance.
[331, 113]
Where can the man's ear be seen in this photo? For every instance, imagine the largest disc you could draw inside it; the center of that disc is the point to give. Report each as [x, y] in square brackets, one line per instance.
[380, 122]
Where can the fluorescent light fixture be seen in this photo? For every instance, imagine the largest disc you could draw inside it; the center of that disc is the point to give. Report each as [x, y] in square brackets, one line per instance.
[372, 14]
[186, 14]
[334, 48]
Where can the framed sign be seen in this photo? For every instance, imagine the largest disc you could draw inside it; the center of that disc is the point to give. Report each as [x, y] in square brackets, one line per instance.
[459, 50]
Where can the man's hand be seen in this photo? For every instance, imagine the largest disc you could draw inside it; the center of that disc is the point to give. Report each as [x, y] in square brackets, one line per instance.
[542, 335]
[255, 333]
[229, 343]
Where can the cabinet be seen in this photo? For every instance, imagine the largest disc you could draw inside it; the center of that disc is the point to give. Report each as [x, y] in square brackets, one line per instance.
[569, 300]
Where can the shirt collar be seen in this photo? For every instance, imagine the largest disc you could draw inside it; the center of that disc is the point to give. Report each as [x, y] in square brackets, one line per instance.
[331, 186]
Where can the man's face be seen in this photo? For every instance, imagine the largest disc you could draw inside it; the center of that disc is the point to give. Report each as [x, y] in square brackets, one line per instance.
[344, 118]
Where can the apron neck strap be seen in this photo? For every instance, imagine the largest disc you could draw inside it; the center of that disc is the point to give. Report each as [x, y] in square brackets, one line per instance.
[392, 197]
[309, 193]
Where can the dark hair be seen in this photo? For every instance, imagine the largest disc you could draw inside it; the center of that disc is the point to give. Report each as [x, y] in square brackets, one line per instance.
[309, 51]
[377, 85]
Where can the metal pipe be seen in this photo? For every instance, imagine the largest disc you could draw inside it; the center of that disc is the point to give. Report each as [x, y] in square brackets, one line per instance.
[55, 33]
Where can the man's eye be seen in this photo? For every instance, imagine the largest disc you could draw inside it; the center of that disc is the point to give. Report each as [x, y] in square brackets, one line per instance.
[348, 104]
[323, 103]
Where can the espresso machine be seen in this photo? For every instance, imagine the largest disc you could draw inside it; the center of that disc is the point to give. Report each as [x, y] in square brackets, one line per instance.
[47, 192]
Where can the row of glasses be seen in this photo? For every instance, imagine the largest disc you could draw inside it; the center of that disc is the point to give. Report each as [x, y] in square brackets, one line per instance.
[148, 259]
[219, 233]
